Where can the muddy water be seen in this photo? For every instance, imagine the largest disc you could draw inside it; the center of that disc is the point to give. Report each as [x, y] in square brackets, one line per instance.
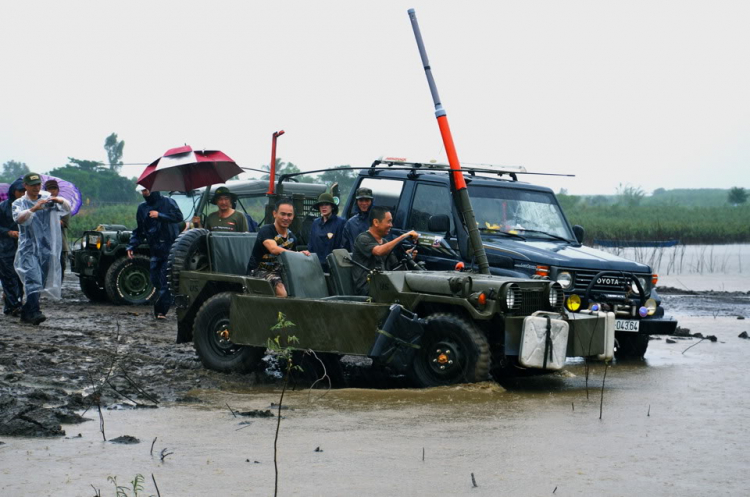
[674, 424]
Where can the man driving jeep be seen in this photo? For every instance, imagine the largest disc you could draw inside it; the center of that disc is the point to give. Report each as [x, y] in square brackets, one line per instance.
[373, 251]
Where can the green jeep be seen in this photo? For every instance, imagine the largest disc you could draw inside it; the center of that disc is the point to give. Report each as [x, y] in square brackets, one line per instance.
[437, 327]
[107, 274]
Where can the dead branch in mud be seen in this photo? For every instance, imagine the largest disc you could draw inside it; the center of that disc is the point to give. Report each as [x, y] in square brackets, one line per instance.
[164, 453]
[231, 410]
[152, 446]
[601, 401]
[696, 343]
[158, 494]
[98, 493]
[325, 376]
[473, 481]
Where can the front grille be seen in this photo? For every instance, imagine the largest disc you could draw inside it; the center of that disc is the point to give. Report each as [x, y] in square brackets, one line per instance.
[532, 301]
[584, 276]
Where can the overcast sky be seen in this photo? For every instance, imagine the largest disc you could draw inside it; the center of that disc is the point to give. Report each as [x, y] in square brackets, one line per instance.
[652, 94]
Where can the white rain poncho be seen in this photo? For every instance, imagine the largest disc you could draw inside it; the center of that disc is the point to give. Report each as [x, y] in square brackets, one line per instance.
[39, 244]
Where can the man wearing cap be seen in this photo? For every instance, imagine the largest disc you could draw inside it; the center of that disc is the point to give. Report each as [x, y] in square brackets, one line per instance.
[158, 225]
[328, 230]
[226, 218]
[39, 245]
[12, 290]
[54, 190]
[360, 222]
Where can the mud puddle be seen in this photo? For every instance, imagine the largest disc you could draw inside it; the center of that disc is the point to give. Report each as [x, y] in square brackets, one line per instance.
[673, 424]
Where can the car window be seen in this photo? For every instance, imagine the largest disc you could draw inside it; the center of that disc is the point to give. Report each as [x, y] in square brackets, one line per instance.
[429, 200]
[386, 192]
[510, 209]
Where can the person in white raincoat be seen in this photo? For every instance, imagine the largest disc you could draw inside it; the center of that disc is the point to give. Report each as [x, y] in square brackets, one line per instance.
[39, 245]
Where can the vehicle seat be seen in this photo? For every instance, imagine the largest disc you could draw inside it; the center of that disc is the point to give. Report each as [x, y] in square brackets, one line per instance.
[230, 252]
[303, 275]
[341, 271]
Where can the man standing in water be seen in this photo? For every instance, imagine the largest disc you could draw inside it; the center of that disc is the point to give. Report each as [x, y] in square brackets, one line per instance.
[39, 245]
[158, 219]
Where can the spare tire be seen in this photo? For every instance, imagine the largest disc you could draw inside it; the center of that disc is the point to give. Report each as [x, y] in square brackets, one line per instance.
[188, 253]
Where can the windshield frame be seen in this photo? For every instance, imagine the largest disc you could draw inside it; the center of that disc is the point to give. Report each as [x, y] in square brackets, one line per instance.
[521, 197]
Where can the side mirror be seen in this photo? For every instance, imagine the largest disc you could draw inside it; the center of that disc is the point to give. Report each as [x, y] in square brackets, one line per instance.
[440, 223]
[579, 232]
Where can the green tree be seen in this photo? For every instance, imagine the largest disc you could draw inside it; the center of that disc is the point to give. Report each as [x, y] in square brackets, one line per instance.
[12, 170]
[630, 195]
[286, 168]
[114, 147]
[344, 177]
[96, 184]
[737, 195]
[85, 165]
[568, 202]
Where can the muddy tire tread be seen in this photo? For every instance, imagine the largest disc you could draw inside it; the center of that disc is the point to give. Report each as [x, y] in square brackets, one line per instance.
[111, 280]
[183, 248]
[478, 368]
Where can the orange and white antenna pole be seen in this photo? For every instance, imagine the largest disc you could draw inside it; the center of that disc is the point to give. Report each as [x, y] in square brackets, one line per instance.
[461, 194]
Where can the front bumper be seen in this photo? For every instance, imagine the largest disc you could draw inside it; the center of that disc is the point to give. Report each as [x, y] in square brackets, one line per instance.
[665, 325]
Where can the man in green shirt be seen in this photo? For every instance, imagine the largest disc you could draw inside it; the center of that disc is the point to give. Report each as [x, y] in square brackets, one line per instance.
[226, 218]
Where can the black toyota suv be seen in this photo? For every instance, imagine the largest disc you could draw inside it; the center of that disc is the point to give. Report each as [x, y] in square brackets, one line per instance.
[525, 234]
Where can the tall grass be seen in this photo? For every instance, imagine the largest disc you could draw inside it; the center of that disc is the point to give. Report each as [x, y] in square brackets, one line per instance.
[91, 216]
[697, 225]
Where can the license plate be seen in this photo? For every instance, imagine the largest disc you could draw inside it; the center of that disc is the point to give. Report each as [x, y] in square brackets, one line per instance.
[626, 325]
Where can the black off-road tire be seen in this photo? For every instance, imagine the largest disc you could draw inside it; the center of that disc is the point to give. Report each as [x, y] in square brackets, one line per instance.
[188, 253]
[92, 290]
[128, 281]
[449, 338]
[631, 346]
[215, 351]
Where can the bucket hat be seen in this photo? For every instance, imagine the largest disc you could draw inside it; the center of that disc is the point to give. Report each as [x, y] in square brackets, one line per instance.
[223, 191]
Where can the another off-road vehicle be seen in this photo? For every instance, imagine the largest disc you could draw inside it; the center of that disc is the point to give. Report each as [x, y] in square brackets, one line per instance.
[525, 234]
[107, 274]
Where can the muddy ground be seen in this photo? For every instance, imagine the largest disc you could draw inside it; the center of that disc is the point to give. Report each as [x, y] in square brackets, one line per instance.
[88, 356]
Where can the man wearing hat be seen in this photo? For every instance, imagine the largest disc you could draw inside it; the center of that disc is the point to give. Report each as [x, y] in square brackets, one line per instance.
[39, 245]
[359, 222]
[328, 230]
[226, 218]
[54, 190]
[158, 221]
[12, 290]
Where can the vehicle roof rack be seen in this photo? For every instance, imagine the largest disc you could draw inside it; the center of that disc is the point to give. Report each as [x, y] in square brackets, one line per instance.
[469, 168]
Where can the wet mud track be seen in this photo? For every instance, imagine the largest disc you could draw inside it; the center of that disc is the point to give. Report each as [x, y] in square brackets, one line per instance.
[90, 355]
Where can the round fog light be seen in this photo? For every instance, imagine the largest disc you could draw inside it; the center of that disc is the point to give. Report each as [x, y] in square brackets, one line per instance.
[651, 306]
[643, 312]
[573, 303]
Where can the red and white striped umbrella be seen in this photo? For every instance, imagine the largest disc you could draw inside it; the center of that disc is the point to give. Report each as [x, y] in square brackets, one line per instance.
[184, 169]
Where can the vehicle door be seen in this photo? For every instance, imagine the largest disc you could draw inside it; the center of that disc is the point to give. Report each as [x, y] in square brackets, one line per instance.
[437, 248]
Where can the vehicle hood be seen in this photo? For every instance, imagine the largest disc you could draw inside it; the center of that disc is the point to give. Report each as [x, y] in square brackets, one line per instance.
[561, 254]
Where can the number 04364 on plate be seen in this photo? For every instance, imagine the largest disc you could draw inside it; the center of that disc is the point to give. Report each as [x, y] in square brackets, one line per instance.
[626, 325]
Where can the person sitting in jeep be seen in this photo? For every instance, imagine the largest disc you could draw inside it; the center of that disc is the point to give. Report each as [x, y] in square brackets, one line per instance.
[273, 239]
[359, 222]
[226, 218]
[328, 230]
[372, 251]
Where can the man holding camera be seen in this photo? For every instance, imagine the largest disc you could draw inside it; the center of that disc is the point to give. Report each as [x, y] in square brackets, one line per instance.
[39, 245]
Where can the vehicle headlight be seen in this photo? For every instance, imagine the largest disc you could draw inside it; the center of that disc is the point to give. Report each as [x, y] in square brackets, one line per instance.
[94, 241]
[642, 281]
[510, 297]
[565, 279]
[555, 295]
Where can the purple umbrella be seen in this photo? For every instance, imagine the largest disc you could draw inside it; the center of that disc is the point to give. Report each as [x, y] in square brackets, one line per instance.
[68, 191]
